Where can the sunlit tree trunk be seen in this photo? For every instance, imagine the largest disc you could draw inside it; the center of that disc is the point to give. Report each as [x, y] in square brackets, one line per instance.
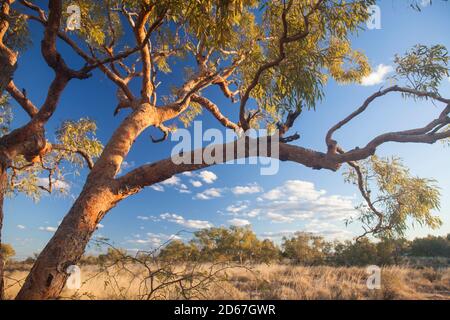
[3, 179]
[48, 276]
[8, 58]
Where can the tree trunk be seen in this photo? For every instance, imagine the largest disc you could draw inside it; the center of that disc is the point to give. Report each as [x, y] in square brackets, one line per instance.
[48, 276]
[8, 58]
[3, 178]
[101, 192]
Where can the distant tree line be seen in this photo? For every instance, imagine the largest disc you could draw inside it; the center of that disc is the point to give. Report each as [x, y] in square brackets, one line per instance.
[241, 245]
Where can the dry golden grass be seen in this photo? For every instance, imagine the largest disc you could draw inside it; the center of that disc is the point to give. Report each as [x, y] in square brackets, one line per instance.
[275, 282]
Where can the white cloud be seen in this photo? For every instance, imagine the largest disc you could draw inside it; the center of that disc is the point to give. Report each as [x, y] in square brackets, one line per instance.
[328, 230]
[207, 176]
[252, 213]
[296, 200]
[278, 234]
[193, 224]
[48, 229]
[157, 187]
[126, 165]
[21, 226]
[377, 76]
[153, 239]
[188, 174]
[100, 226]
[196, 183]
[277, 217]
[56, 184]
[238, 222]
[209, 194]
[147, 218]
[236, 208]
[172, 181]
[294, 190]
[250, 189]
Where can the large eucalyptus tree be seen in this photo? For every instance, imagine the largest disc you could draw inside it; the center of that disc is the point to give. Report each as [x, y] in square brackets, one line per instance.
[270, 58]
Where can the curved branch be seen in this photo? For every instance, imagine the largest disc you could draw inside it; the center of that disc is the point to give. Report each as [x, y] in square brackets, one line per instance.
[426, 134]
[215, 111]
[283, 40]
[149, 174]
[367, 199]
[86, 157]
[332, 144]
[165, 130]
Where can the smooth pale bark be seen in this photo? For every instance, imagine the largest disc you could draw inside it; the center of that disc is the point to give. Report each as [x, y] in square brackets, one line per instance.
[48, 276]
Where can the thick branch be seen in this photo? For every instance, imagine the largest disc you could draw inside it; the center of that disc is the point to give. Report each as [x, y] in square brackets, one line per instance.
[22, 99]
[147, 175]
[51, 102]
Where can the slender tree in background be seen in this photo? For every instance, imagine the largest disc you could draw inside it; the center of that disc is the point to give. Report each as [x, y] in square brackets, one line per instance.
[270, 58]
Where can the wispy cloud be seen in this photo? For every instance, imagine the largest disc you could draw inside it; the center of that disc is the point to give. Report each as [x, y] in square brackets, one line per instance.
[21, 227]
[219, 192]
[209, 194]
[172, 181]
[250, 189]
[238, 222]
[328, 230]
[181, 185]
[148, 218]
[301, 200]
[48, 229]
[157, 187]
[277, 234]
[126, 165]
[377, 76]
[153, 240]
[208, 176]
[188, 223]
[56, 184]
[297, 201]
[236, 208]
[196, 183]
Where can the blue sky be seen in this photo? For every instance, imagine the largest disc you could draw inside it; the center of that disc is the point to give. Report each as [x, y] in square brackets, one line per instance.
[315, 201]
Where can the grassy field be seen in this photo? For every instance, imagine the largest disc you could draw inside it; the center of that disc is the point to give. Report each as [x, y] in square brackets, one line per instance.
[268, 282]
